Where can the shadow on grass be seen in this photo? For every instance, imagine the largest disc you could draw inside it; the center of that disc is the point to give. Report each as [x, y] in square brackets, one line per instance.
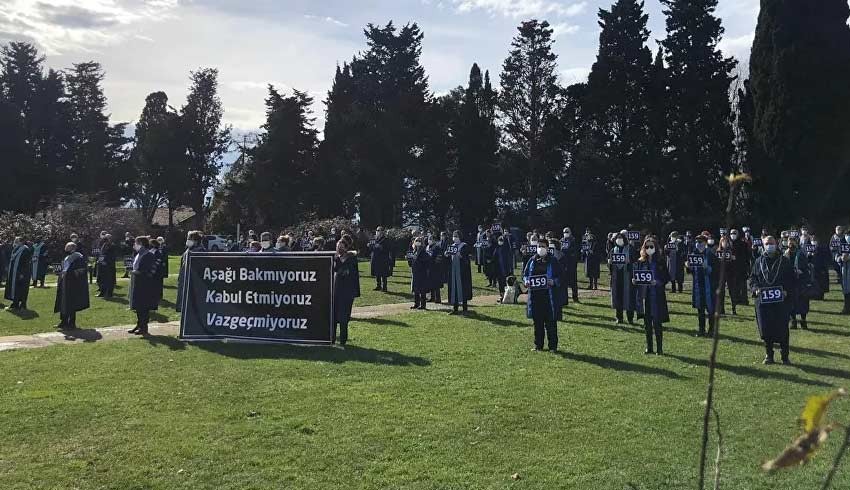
[84, 334]
[502, 322]
[168, 286]
[158, 317]
[117, 299]
[166, 303]
[764, 373]
[380, 321]
[618, 365]
[24, 314]
[822, 312]
[165, 340]
[351, 353]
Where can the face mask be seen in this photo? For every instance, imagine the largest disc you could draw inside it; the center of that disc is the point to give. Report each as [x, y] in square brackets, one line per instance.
[137, 247]
[266, 244]
[769, 249]
[847, 238]
[815, 244]
[650, 251]
[542, 251]
[190, 243]
[278, 246]
[711, 242]
[733, 236]
[501, 242]
[672, 240]
[567, 234]
[620, 242]
[456, 240]
[417, 245]
[700, 246]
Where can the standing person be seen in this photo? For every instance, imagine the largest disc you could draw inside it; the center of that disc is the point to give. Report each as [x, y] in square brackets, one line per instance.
[592, 260]
[560, 291]
[159, 265]
[106, 268]
[380, 260]
[705, 279]
[5, 257]
[488, 246]
[677, 253]
[193, 244]
[39, 262]
[726, 256]
[620, 261]
[163, 250]
[18, 277]
[654, 295]
[542, 275]
[480, 238]
[503, 260]
[282, 244]
[460, 273]
[772, 282]
[842, 259]
[266, 245]
[834, 243]
[802, 277]
[144, 297]
[821, 259]
[129, 241]
[570, 247]
[80, 248]
[420, 268]
[741, 266]
[435, 273]
[346, 287]
[72, 290]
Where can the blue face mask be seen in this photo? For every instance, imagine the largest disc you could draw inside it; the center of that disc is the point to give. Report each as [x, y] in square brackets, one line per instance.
[701, 247]
[769, 249]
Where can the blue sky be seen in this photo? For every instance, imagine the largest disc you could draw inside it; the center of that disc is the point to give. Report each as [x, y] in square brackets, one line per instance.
[150, 45]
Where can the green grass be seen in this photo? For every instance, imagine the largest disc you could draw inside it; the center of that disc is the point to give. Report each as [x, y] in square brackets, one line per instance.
[419, 401]
[40, 317]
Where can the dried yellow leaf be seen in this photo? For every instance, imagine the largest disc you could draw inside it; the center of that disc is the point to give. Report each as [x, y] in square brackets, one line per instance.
[815, 410]
[799, 452]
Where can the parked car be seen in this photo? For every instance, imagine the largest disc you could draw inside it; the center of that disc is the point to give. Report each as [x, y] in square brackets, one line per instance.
[216, 243]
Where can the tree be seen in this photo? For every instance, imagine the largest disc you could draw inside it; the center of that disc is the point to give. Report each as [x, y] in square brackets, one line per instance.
[699, 122]
[799, 98]
[207, 139]
[528, 103]
[159, 158]
[16, 161]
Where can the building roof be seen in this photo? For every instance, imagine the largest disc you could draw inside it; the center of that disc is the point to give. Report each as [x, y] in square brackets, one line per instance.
[181, 215]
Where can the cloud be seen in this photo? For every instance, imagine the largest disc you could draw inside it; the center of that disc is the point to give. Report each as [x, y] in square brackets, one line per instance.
[522, 8]
[562, 28]
[246, 85]
[739, 46]
[329, 20]
[79, 25]
[575, 75]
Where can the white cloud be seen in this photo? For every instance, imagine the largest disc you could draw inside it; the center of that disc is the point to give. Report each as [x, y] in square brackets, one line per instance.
[329, 20]
[575, 75]
[247, 85]
[522, 8]
[739, 47]
[562, 28]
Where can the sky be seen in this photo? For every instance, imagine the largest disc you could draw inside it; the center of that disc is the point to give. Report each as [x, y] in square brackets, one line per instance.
[152, 45]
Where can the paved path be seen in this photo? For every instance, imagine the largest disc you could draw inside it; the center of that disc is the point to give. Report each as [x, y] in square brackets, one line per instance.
[81, 336]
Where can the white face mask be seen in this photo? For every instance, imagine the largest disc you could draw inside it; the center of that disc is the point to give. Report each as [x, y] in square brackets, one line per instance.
[733, 236]
[620, 242]
[567, 234]
[815, 244]
[672, 240]
[542, 251]
[137, 247]
[279, 245]
[847, 238]
[456, 240]
[650, 251]
[501, 242]
[266, 244]
[711, 242]
[190, 243]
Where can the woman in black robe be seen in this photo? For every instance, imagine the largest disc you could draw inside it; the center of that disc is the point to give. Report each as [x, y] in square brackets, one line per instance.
[437, 269]
[193, 244]
[18, 276]
[592, 261]
[772, 282]
[460, 273]
[420, 272]
[621, 261]
[654, 295]
[346, 286]
[144, 296]
[72, 291]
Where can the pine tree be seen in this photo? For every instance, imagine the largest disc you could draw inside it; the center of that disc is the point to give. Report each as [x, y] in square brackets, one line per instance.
[529, 102]
[335, 169]
[799, 98]
[700, 122]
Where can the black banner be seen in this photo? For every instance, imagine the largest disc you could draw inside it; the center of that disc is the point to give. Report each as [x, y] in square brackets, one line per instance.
[280, 297]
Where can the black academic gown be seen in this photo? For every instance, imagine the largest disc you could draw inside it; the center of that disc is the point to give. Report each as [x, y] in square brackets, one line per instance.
[381, 259]
[72, 291]
[18, 275]
[772, 318]
[346, 287]
[144, 295]
[106, 267]
[197, 248]
[420, 269]
[460, 275]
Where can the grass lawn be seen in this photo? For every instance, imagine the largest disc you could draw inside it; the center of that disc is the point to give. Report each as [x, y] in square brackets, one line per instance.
[419, 401]
[103, 313]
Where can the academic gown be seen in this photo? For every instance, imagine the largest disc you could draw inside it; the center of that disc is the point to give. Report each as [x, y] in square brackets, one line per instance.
[592, 260]
[18, 275]
[436, 267]
[772, 318]
[106, 266]
[802, 276]
[144, 295]
[705, 282]
[553, 271]
[479, 253]
[39, 262]
[72, 291]
[623, 295]
[346, 286]
[420, 271]
[676, 255]
[381, 259]
[570, 248]
[197, 248]
[460, 275]
[503, 258]
[845, 273]
[655, 297]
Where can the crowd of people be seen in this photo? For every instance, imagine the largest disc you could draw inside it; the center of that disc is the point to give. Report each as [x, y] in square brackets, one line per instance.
[782, 274]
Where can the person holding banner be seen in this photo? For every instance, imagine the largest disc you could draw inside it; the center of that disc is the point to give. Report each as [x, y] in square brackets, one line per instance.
[620, 261]
[676, 253]
[39, 262]
[144, 296]
[702, 264]
[346, 287]
[72, 292]
[436, 270]
[193, 244]
[592, 260]
[460, 274]
[651, 275]
[542, 276]
[18, 276]
[380, 259]
[420, 268]
[772, 280]
[842, 258]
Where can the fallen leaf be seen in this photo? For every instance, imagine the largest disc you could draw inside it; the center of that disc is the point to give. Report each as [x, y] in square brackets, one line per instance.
[515, 476]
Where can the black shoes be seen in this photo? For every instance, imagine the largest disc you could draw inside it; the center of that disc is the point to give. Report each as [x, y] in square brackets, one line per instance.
[768, 359]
